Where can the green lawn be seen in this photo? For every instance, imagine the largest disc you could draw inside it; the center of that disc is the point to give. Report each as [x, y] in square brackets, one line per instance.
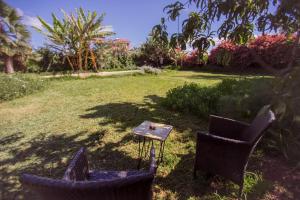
[40, 132]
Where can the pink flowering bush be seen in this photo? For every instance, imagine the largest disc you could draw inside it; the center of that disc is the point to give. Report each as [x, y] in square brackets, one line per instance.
[194, 60]
[222, 54]
[274, 50]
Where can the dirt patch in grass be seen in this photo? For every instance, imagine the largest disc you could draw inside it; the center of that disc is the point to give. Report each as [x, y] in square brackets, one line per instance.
[285, 179]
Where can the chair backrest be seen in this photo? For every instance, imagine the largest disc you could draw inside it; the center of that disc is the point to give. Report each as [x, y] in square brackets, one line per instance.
[129, 188]
[78, 168]
[262, 121]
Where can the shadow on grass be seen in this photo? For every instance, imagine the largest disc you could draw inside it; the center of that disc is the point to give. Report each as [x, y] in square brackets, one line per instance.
[250, 71]
[222, 77]
[178, 181]
[49, 156]
[126, 115]
[210, 77]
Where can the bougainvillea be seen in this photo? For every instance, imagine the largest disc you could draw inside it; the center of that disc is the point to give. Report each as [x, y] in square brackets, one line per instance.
[194, 59]
[222, 54]
[229, 54]
[242, 57]
[274, 50]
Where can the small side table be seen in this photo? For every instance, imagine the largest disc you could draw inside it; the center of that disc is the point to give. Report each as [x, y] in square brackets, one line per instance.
[152, 131]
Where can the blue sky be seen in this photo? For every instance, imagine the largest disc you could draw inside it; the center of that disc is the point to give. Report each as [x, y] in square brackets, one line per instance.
[130, 19]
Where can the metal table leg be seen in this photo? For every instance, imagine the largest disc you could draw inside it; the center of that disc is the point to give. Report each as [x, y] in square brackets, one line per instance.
[141, 151]
[163, 149]
[148, 148]
[161, 152]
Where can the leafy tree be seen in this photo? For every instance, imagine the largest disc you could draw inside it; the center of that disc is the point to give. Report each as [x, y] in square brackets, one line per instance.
[49, 60]
[75, 35]
[157, 45]
[13, 37]
[159, 33]
[177, 54]
[237, 20]
[113, 54]
[152, 53]
[103, 51]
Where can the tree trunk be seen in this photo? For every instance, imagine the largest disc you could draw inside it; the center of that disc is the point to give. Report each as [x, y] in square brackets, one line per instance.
[181, 62]
[86, 59]
[161, 60]
[70, 63]
[9, 66]
[79, 59]
[94, 60]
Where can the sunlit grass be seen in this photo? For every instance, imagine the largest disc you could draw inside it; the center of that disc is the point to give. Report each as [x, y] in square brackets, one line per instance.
[40, 132]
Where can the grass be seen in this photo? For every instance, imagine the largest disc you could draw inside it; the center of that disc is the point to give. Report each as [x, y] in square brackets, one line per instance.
[40, 132]
[18, 85]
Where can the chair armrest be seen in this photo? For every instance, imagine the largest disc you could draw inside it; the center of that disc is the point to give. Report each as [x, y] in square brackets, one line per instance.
[206, 137]
[226, 127]
[153, 165]
[221, 148]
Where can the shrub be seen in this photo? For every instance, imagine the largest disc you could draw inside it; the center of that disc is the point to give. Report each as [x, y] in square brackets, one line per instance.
[276, 47]
[221, 55]
[150, 53]
[194, 60]
[193, 98]
[240, 99]
[18, 85]
[273, 49]
[228, 54]
[119, 62]
[150, 70]
[234, 98]
[243, 98]
[114, 55]
[45, 59]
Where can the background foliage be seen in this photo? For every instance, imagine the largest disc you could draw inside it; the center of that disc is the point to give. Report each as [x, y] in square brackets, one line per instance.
[18, 85]
[74, 36]
[14, 39]
[234, 98]
[272, 49]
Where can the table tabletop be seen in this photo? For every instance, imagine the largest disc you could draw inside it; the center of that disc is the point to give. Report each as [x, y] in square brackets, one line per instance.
[161, 131]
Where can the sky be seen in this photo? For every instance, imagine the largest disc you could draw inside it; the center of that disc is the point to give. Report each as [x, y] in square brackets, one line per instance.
[130, 19]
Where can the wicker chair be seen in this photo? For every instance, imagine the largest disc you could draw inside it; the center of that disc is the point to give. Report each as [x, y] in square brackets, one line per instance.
[225, 150]
[80, 183]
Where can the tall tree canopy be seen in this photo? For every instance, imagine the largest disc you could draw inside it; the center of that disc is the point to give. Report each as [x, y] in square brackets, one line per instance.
[13, 37]
[156, 47]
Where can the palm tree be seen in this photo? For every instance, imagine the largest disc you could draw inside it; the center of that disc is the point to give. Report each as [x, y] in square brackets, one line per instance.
[13, 37]
[75, 36]
[60, 36]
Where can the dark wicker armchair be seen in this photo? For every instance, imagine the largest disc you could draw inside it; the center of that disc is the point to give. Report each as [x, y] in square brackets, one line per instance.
[225, 150]
[80, 183]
